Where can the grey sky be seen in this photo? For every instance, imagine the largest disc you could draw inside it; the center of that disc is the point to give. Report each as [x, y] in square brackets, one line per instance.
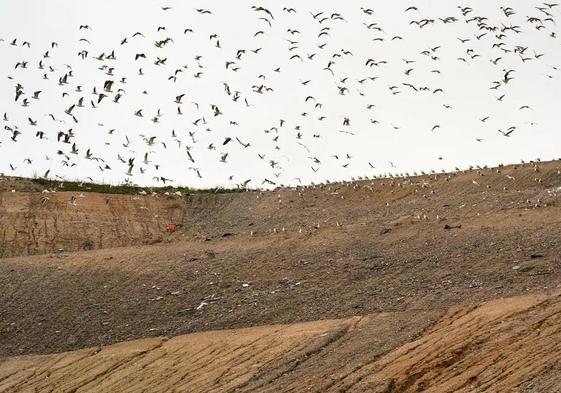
[402, 135]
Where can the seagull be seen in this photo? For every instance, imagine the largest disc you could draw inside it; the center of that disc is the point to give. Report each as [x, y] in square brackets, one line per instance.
[509, 131]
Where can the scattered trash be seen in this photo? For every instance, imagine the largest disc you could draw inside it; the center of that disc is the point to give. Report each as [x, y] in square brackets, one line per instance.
[207, 300]
[476, 284]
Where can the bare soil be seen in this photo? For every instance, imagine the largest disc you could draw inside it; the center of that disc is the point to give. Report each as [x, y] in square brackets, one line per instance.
[508, 345]
[417, 256]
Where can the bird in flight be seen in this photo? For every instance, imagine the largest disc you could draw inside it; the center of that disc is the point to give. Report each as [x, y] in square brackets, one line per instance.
[286, 65]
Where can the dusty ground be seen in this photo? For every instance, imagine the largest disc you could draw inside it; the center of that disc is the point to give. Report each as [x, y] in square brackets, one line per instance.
[407, 249]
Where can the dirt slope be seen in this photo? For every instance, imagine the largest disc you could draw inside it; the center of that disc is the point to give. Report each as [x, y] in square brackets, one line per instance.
[66, 301]
[96, 221]
[505, 345]
[408, 248]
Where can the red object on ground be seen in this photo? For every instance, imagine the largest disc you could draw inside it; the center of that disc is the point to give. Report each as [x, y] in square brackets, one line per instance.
[171, 228]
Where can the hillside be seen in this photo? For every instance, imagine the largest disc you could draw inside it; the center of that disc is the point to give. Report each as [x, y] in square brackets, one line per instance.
[409, 261]
[97, 221]
[469, 349]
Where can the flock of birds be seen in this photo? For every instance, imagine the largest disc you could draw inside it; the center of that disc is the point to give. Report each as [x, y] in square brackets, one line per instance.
[181, 130]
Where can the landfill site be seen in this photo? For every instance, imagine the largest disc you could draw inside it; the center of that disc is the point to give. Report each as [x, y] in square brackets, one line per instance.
[434, 283]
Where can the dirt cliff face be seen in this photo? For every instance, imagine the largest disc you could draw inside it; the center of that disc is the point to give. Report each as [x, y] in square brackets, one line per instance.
[41, 223]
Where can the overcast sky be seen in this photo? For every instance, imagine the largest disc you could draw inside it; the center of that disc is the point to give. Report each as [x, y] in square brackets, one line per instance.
[390, 125]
